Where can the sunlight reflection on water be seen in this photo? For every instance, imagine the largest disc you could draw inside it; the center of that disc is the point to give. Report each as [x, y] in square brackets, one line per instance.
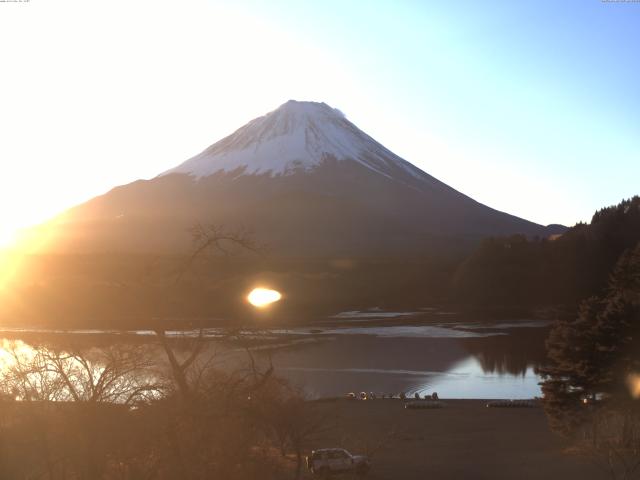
[12, 351]
[466, 379]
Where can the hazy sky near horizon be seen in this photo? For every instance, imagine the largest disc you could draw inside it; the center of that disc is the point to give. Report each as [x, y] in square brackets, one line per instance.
[529, 107]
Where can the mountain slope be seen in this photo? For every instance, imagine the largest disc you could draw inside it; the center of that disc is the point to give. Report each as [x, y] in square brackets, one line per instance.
[307, 182]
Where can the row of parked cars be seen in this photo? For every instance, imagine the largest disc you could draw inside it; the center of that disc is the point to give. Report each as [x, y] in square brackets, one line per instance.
[401, 396]
[512, 404]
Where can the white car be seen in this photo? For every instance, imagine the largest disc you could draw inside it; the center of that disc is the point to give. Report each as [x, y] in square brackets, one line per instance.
[329, 461]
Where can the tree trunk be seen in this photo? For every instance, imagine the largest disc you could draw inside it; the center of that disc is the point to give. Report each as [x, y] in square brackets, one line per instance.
[298, 462]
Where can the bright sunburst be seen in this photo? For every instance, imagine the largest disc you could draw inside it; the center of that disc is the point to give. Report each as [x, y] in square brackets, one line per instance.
[261, 297]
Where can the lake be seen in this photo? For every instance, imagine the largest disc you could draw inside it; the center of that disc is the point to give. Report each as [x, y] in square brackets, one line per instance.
[456, 360]
[380, 352]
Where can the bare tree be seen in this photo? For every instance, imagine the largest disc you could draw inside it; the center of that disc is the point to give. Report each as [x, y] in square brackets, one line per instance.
[118, 374]
[207, 239]
[286, 416]
[75, 404]
[180, 368]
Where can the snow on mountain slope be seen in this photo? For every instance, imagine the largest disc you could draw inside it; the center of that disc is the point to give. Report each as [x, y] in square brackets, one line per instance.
[296, 136]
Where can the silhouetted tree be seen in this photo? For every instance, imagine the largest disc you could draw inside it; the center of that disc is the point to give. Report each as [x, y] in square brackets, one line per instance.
[69, 405]
[592, 358]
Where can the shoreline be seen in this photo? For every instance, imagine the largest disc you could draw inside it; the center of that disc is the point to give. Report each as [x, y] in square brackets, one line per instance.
[462, 440]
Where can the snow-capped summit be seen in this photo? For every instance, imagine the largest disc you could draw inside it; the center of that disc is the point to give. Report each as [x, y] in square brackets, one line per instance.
[296, 136]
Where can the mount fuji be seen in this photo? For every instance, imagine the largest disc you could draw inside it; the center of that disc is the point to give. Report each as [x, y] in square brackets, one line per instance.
[306, 181]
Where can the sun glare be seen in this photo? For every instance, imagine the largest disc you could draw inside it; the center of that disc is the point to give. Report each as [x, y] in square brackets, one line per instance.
[10, 263]
[7, 237]
[261, 297]
[633, 380]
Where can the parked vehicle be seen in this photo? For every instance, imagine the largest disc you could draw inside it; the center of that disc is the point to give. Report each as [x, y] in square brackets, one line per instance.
[512, 404]
[423, 404]
[330, 461]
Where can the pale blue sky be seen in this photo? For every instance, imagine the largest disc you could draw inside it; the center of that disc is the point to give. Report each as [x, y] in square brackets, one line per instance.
[545, 90]
[531, 107]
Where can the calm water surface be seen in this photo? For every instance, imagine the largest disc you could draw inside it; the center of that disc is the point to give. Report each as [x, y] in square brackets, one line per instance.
[393, 354]
[497, 366]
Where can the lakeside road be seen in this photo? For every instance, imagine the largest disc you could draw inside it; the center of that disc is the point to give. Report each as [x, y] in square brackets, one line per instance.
[464, 440]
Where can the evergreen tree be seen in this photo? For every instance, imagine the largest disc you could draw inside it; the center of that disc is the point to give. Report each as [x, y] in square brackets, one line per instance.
[592, 357]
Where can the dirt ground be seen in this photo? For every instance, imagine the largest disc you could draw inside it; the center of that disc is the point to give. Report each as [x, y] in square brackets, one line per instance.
[464, 440]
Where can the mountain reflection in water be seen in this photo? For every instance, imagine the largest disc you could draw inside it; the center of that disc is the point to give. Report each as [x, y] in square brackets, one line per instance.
[500, 366]
[482, 362]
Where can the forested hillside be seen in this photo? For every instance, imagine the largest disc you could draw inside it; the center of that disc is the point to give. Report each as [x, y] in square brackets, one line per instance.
[523, 271]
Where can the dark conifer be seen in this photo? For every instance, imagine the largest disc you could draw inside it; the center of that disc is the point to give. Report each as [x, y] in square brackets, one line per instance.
[592, 357]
